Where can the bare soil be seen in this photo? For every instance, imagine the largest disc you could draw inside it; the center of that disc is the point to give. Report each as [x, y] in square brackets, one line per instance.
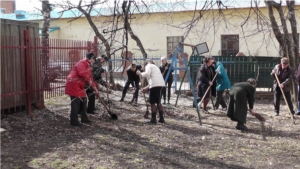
[49, 141]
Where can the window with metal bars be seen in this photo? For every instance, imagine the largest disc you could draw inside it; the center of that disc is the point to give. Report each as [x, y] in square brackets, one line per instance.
[229, 45]
[172, 43]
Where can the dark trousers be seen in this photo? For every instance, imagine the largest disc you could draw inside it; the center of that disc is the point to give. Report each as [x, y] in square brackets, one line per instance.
[78, 105]
[277, 94]
[169, 85]
[136, 92]
[220, 100]
[91, 103]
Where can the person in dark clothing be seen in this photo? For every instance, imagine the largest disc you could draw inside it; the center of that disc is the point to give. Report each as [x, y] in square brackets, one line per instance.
[284, 73]
[207, 73]
[240, 94]
[134, 80]
[297, 79]
[164, 68]
[80, 74]
[97, 70]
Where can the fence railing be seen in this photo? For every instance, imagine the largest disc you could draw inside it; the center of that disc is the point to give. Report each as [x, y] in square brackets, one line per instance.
[27, 76]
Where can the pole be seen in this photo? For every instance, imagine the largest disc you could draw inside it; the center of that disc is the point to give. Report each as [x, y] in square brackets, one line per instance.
[28, 73]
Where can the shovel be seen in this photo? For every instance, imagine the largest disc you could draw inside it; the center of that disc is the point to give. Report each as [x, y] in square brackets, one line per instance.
[112, 115]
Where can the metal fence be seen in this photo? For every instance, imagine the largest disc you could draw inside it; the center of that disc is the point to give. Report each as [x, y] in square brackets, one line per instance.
[24, 79]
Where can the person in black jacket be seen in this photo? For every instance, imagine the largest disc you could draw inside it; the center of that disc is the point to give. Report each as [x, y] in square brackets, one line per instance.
[164, 68]
[97, 70]
[134, 80]
[284, 73]
[207, 73]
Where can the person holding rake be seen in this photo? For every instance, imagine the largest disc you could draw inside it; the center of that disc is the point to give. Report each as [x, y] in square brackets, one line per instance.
[284, 74]
[205, 82]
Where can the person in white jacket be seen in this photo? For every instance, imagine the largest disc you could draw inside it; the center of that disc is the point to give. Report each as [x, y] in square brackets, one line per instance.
[156, 87]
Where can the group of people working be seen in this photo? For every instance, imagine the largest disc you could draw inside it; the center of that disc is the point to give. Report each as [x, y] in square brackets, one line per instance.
[242, 93]
[134, 80]
[83, 84]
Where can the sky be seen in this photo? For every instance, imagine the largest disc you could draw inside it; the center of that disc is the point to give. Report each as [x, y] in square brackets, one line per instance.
[32, 5]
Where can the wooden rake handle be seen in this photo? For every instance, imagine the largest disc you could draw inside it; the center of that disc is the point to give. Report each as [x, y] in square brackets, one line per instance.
[208, 88]
[98, 96]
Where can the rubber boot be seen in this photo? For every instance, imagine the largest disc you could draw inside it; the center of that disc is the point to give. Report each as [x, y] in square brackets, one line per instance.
[161, 117]
[146, 116]
[205, 102]
[122, 98]
[241, 126]
[153, 119]
[84, 118]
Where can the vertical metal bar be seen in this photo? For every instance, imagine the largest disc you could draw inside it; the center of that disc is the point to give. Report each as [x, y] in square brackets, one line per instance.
[46, 90]
[96, 45]
[59, 61]
[28, 75]
[11, 72]
[16, 77]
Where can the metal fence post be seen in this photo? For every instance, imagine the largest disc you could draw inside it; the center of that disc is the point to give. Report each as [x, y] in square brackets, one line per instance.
[89, 46]
[95, 45]
[28, 72]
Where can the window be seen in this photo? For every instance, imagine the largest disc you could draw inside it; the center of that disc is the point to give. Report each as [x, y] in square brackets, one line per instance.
[172, 42]
[229, 45]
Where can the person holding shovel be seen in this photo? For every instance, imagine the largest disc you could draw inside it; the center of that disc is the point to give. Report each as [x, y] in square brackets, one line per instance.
[240, 94]
[284, 73]
[205, 82]
[80, 74]
[156, 87]
[134, 80]
[97, 70]
[164, 68]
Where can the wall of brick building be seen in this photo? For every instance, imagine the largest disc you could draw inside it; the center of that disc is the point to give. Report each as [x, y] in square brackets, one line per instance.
[9, 6]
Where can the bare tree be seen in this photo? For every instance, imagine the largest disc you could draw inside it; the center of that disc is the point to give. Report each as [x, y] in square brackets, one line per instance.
[112, 23]
[46, 9]
[289, 47]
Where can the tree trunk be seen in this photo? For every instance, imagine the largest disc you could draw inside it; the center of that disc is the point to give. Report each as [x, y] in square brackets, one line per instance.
[46, 9]
[100, 36]
[294, 45]
[136, 38]
[287, 48]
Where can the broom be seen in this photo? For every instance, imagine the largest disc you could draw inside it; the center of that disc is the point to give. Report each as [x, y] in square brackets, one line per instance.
[258, 116]
[262, 123]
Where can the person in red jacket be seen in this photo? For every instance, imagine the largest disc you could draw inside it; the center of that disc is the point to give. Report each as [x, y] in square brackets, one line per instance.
[80, 74]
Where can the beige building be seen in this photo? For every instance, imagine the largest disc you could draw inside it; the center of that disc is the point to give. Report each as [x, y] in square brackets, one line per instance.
[226, 33]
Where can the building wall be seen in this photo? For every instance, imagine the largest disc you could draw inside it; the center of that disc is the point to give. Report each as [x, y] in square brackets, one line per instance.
[153, 30]
[8, 5]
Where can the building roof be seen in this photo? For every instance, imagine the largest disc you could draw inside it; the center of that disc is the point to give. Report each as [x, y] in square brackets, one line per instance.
[149, 8]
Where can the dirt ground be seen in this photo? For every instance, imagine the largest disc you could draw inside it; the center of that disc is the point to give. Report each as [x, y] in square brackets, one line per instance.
[49, 141]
